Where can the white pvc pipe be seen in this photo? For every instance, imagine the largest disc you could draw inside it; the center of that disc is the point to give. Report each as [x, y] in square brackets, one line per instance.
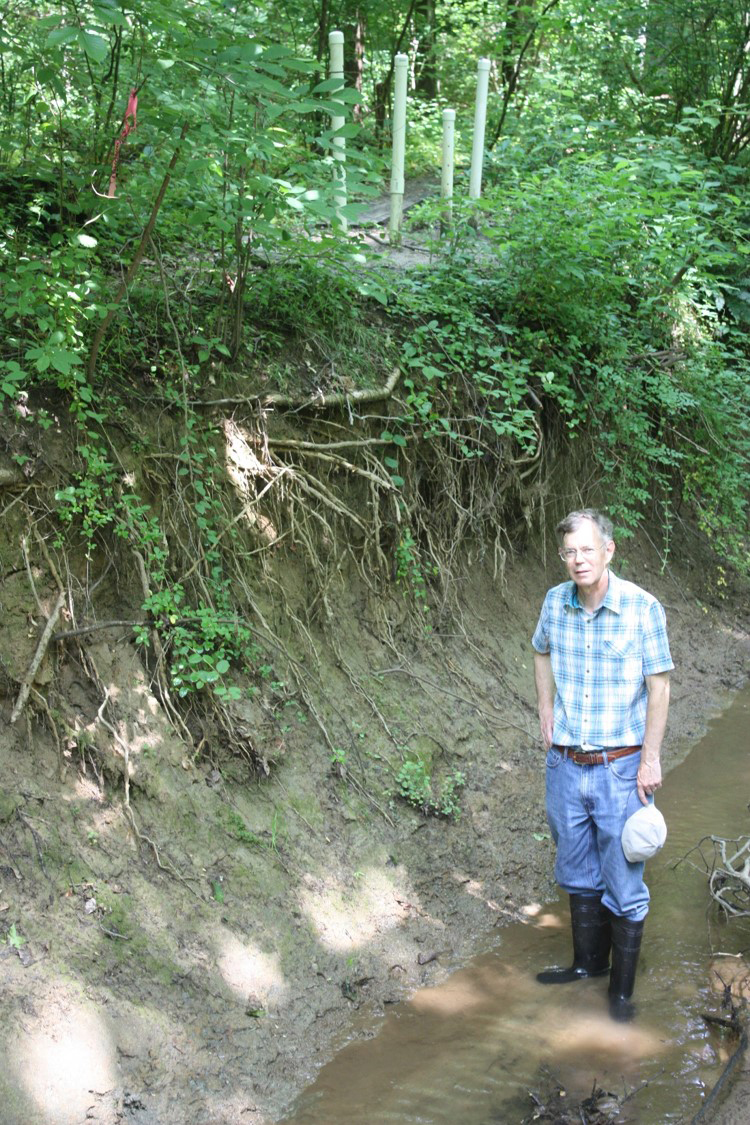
[400, 71]
[449, 146]
[336, 70]
[480, 121]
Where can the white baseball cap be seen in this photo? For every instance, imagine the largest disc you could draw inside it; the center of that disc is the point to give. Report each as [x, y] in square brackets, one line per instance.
[644, 834]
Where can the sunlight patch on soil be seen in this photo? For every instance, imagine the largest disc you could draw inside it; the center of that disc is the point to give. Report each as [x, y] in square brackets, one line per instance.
[88, 790]
[249, 972]
[61, 1063]
[346, 918]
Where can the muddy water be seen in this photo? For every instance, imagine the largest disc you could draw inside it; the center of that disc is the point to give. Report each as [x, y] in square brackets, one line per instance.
[471, 1049]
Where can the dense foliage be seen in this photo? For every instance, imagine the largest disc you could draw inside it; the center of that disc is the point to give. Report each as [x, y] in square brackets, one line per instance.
[168, 222]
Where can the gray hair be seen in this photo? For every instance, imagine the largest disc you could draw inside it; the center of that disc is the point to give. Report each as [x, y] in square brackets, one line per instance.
[574, 520]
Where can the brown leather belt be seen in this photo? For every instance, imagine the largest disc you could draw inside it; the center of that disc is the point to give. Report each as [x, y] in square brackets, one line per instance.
[592, 757]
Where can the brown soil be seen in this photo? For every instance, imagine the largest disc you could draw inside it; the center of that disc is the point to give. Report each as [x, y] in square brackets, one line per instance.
[202, 968]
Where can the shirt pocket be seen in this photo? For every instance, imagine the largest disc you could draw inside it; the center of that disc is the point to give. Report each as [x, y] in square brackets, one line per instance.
[623, 657]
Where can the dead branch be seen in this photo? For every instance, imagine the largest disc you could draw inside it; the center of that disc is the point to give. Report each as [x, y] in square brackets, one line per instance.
[319, 400]
[30, 576]
[48, 559]
[41, 649]
[728, 874]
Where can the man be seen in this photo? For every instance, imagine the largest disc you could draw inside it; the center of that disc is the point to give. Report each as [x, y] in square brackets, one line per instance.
[601, 666]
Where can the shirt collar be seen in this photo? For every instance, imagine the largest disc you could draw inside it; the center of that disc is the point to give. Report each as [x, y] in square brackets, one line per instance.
[612, 599]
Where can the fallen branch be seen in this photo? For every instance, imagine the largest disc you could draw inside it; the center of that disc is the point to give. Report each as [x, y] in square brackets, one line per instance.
[706, 1111]
[318, 400]
[41, 649]
[728, 875]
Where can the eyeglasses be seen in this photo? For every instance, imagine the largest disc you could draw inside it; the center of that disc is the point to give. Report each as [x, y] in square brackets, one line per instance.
[567, 554]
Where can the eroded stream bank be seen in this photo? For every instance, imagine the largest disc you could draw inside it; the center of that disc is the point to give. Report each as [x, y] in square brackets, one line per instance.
[472, 1048]
[211, 989]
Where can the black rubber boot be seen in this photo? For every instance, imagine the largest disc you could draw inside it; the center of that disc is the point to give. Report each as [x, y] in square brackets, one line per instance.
[591, 924]
[626, 945]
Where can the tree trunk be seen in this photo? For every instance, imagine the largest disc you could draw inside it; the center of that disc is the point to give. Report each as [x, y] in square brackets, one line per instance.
[322, 30]
[354, 27]
[518, 15]
[425, 15]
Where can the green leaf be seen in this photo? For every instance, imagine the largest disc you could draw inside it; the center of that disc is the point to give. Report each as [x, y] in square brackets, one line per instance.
[62, 360]
[328, 85]
[14, 938]
[61, 36]
[349, 130]
[94, 46]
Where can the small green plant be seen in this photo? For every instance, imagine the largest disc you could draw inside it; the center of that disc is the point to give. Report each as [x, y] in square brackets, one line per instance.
[14, 939]
[409, 570]
[415, 786]
[338, 761]
[449, 803]
[240, 831]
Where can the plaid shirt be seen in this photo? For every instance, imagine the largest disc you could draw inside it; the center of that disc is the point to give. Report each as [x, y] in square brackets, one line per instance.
[599, 662]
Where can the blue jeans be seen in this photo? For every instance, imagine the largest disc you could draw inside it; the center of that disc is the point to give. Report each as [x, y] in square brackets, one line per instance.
[587, 807]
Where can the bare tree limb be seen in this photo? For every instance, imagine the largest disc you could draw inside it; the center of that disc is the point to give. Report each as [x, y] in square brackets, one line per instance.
[318, 400]
[41, 649]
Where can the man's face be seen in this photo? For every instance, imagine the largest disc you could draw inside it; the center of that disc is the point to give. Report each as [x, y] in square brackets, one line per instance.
[592, 554]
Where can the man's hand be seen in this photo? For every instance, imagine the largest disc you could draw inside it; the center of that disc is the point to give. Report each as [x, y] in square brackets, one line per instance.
[648, 779]
[545, 695]
[649, 771]
[546, 725]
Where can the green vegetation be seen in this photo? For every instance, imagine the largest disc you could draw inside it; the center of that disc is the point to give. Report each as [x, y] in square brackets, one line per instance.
[180, 297]
[416, 786]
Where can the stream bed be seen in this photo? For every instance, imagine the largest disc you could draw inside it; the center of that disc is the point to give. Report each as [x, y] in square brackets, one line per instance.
[474, 1048]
